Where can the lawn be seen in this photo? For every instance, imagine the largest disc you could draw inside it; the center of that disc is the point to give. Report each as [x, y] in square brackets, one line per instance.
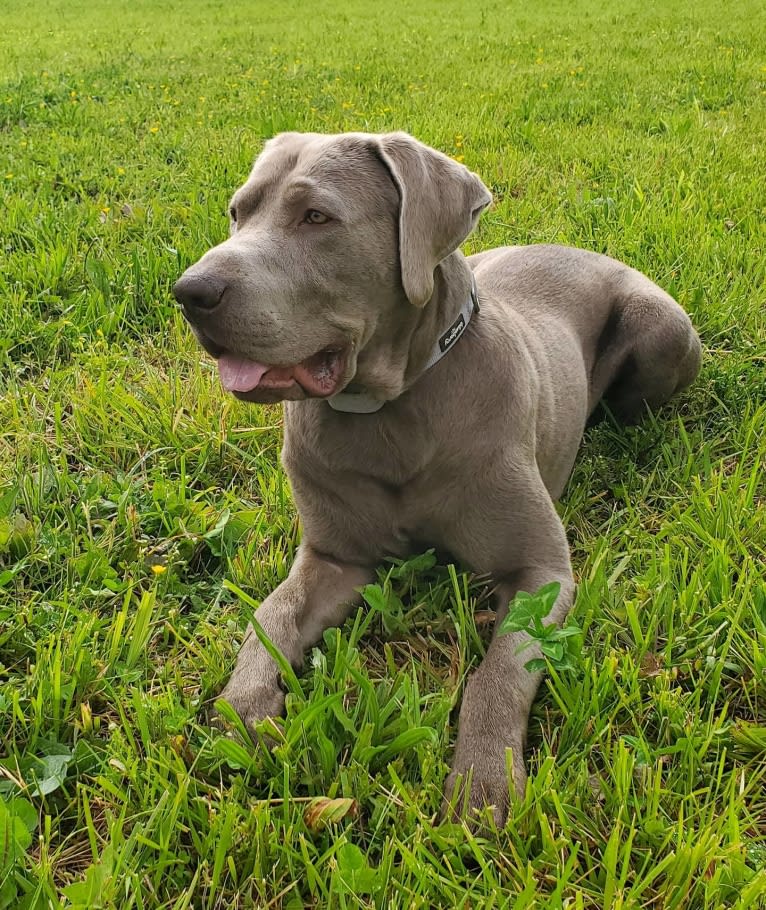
[143, 513]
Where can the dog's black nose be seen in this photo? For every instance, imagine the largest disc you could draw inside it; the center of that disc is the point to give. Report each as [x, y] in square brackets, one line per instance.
[199, 292]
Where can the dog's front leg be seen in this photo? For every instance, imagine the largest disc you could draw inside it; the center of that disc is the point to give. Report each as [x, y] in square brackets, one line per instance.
[499, 694]
[496, 704]
[318, 593]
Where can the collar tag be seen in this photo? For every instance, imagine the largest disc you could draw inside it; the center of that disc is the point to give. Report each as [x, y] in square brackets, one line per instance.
[362, 402]
[452, 334]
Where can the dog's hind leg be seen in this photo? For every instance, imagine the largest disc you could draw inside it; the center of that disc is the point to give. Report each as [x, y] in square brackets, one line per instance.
[647, 352]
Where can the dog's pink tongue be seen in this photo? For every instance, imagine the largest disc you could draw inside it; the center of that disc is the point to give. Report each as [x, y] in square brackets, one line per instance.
[239, 374]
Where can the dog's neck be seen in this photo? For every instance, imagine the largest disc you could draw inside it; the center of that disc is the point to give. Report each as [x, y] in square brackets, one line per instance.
[419, 339]
[453, 295]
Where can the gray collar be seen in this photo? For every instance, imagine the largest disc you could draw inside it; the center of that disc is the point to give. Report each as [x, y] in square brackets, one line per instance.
[360, 401]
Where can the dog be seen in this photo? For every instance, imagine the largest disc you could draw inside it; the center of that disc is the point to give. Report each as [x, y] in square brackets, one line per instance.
[430, 399]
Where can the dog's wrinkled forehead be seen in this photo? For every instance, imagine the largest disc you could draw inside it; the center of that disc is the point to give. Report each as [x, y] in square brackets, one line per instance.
[346, 164]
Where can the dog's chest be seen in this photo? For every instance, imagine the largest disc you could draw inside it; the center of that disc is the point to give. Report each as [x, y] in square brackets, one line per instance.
[364, 488]
[368, 446]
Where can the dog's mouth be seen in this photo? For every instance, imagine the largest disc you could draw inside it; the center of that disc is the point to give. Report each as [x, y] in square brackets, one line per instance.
[318, 376]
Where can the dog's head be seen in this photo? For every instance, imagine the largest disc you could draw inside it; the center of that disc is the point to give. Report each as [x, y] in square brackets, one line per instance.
[331, 238]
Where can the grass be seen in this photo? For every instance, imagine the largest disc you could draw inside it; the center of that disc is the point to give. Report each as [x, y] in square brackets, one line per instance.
[143, 513]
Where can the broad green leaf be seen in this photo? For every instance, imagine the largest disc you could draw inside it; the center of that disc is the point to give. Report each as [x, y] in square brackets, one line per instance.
[375, 597]
[357, 875]
[520, 614]
[15, 836]
[23, 809]
[552, 649]
[421, 563]
[48, 772]
[548, 595]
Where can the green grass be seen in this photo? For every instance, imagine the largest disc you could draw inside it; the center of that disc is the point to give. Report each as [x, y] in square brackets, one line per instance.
[142, 512]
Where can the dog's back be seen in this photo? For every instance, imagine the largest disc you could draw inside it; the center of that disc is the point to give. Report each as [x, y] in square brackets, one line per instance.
[638, 345]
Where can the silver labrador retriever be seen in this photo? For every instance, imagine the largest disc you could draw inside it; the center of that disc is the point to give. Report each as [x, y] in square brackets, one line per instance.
[431, 400]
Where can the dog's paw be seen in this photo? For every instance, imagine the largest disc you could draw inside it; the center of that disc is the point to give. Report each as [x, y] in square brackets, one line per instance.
[467, 797]
[253, 704]
[477, 784]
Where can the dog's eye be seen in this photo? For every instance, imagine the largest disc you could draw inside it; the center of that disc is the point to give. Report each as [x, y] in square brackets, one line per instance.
[312, 216]
[233, 214]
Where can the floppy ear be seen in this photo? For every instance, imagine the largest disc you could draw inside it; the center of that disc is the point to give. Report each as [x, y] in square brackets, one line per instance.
[439, 204]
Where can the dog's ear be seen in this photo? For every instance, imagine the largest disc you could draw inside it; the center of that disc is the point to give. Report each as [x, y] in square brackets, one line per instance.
[440, 202]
